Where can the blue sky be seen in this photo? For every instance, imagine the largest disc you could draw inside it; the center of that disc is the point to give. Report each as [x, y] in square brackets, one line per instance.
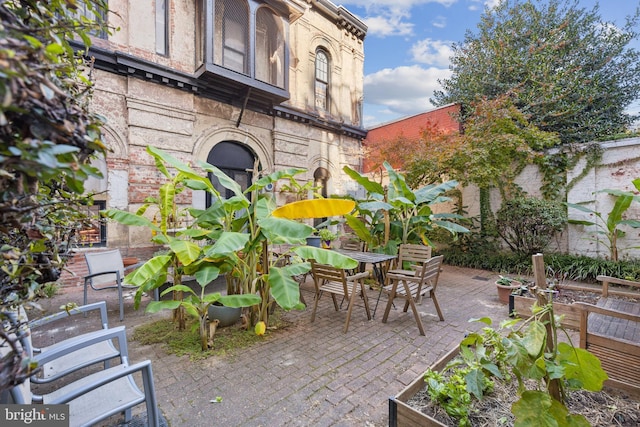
[408, 42]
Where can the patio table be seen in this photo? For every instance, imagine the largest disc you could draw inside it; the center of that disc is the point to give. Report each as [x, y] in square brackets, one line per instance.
[377, 261]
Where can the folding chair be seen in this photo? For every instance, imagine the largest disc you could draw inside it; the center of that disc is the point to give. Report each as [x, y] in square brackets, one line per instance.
[412, 288]
[336, 281]
[106, 271]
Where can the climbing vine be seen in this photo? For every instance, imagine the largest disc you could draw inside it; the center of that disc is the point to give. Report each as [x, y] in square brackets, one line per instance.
[554, 167]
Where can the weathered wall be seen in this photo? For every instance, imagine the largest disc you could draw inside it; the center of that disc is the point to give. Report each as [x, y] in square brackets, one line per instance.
[141, 113]
[620, 164]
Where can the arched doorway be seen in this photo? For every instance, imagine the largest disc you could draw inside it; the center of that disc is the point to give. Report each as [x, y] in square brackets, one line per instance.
[235, 160]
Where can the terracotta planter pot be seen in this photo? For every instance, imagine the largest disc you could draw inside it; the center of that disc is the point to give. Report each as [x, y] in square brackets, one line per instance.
[505, 290]
[129, 260]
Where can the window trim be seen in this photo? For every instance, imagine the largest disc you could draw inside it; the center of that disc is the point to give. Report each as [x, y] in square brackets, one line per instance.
[100, 205]
[318, 80]
[162, 28]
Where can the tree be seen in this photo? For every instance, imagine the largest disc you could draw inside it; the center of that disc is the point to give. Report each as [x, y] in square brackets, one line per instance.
[497, 144]
[571, 73]
[47, 139]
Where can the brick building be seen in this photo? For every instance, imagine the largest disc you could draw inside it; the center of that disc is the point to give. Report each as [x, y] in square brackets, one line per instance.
[228, 82]
[411, 127]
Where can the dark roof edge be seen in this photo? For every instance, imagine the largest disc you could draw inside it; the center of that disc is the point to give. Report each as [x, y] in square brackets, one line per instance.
[124, 64]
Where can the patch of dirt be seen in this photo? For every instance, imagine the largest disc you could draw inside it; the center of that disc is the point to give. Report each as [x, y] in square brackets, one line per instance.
[602, 409]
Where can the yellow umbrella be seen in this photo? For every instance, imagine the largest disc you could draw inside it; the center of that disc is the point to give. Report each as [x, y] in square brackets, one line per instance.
[315, 208]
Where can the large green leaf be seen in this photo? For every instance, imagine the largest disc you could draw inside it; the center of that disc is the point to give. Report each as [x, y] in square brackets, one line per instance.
[619, 208]
[451, 226]
[156, 306]
[242, 300]
[534, 338]
[360, 228]
[374, 206]
[281, 230]
[227, 243]
[433, 193]
[167, 197]
[223, 178]
[581, 365]
[369, 186]
[128, 218]
[325, 256]
[397, 185]
[186, 251]
[538, 409]
[207, 274]
[284, 289]
[475, 382]
[149, 271]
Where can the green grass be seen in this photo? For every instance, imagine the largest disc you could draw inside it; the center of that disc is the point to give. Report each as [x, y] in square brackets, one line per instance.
[226, 341]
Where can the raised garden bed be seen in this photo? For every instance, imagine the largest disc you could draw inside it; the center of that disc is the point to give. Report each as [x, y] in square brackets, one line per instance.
[562, 304]
[401, 414]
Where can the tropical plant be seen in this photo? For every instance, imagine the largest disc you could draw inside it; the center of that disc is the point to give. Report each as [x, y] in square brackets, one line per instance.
[406, 213]
[47, 138]
[230, 237]
[528, 224]
[610, 227]
[522, 47]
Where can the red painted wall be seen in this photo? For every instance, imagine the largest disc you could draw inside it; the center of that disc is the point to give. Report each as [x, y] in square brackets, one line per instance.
[411, 128]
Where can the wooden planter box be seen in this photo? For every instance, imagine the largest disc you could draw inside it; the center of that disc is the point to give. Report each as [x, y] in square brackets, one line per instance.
[522, 306]
[403, 415]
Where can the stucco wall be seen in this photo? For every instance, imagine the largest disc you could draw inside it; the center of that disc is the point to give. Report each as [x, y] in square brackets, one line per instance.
[620, 164]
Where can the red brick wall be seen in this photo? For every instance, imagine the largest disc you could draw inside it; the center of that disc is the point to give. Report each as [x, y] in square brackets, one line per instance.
[411, 127]
[76, 267]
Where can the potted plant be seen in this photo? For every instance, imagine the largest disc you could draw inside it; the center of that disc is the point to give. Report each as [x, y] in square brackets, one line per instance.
[506, 286]
[326, 237]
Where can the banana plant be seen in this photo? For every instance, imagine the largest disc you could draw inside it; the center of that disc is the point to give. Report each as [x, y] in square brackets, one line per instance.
[230, 237]
[610, 227]
[409, 211]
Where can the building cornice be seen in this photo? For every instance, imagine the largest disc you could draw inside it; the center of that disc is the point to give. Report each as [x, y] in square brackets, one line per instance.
[121, 63]
[342, 17]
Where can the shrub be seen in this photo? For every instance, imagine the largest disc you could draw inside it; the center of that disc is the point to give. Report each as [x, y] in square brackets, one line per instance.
[527, 224]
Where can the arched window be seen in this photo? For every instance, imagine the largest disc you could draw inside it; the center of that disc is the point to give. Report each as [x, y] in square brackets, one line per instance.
[235, 160]
[232, 29]
[322, 80]
[269, 48]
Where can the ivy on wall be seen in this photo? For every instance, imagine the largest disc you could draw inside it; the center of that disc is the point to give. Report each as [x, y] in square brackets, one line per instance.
[554, 168]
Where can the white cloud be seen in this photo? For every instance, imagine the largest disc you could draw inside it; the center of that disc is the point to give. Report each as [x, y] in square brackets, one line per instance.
[383, 26]
[432, 52]
[390, 17]
[491, 4]
[403, 90]
[439, 22]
